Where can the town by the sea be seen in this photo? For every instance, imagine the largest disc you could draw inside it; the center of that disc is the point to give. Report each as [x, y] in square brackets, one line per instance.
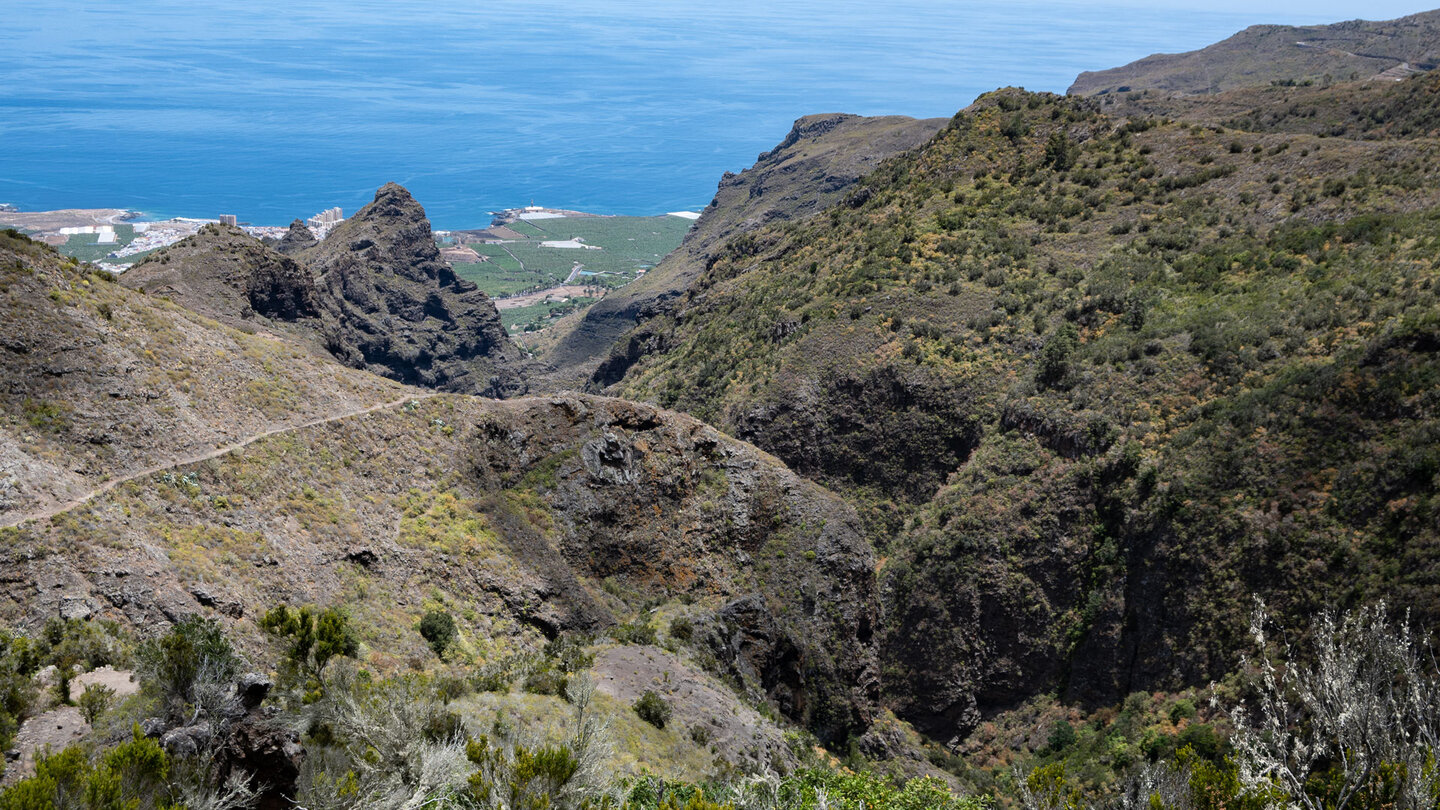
[270, 110]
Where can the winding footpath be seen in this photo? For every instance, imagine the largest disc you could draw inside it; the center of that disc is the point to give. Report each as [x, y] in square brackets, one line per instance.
[50, 512]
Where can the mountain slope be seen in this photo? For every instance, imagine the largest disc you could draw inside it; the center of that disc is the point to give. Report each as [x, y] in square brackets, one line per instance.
[1265, 54]
[1077, 371]
[101, 381]
[822, 156]
[1363, 110]
[540, 517]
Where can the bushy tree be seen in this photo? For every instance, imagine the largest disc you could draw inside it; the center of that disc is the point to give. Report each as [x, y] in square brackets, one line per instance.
[191, 670]
[1061, 152]
[95, 701]
[438, 628]
[653, 709]
[1054, 361]
[312, 638]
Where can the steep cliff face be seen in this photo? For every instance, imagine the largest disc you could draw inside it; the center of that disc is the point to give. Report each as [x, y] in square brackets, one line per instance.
[224, 273]
[400, 311]
[810, 170]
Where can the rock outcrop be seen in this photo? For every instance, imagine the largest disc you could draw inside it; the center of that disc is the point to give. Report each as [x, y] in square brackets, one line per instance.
[400, 311]
[224, 273]
[298, 238]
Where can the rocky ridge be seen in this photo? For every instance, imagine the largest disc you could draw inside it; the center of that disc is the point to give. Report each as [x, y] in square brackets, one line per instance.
[226, 274]
[1266, 54]
[821, 157]
[399, 311]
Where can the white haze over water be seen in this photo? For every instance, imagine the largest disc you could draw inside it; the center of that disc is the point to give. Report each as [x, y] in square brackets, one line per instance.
[272, 110]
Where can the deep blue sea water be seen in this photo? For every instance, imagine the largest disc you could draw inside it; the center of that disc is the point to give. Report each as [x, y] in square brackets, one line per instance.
[272, 110]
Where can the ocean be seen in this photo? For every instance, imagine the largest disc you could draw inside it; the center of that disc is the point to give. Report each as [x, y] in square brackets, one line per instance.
[271, 110]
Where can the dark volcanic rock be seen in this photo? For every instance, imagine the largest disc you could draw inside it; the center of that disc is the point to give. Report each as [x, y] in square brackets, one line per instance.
[665, 504]
[296, 239]
[401, 312]
[268, 753]
[225, 273]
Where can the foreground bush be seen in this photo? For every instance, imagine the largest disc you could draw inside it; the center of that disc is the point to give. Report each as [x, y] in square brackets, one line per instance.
[190, 670]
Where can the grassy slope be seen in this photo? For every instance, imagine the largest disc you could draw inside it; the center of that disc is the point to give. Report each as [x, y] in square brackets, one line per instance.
[1363, 110]
[1120, 393]
[814, 166]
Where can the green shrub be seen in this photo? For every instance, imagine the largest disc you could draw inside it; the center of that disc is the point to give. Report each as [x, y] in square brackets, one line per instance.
[314, 638]
[569, 654]
[88, 643]
[132, 776]
[1062, 736]
[682, 628]
[95, 701]
[438, 628]
[546, 680]
[636, 632]
[1054, 361]
[491, 679]
[189, 668]
[1182, 710]
[653, 709]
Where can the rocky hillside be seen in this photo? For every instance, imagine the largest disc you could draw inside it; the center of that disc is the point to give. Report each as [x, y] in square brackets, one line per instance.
[1365, 110]
[806, 173]
[1088, 379]
[102, 382]
[296, 239]
[539, 517]
[225, 274]
[1269, 54]
[530, 518]
[375, 295]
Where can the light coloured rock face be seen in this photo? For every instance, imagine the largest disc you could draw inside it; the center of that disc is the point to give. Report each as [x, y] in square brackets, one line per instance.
[120, 681]
[54, 730]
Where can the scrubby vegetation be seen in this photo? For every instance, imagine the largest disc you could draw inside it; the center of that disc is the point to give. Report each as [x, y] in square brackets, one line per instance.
[368, 738]
[1093, 382]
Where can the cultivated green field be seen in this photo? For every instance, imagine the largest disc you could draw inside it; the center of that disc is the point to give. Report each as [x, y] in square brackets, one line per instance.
[627, 244]
[85, 247]
[538, 316]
